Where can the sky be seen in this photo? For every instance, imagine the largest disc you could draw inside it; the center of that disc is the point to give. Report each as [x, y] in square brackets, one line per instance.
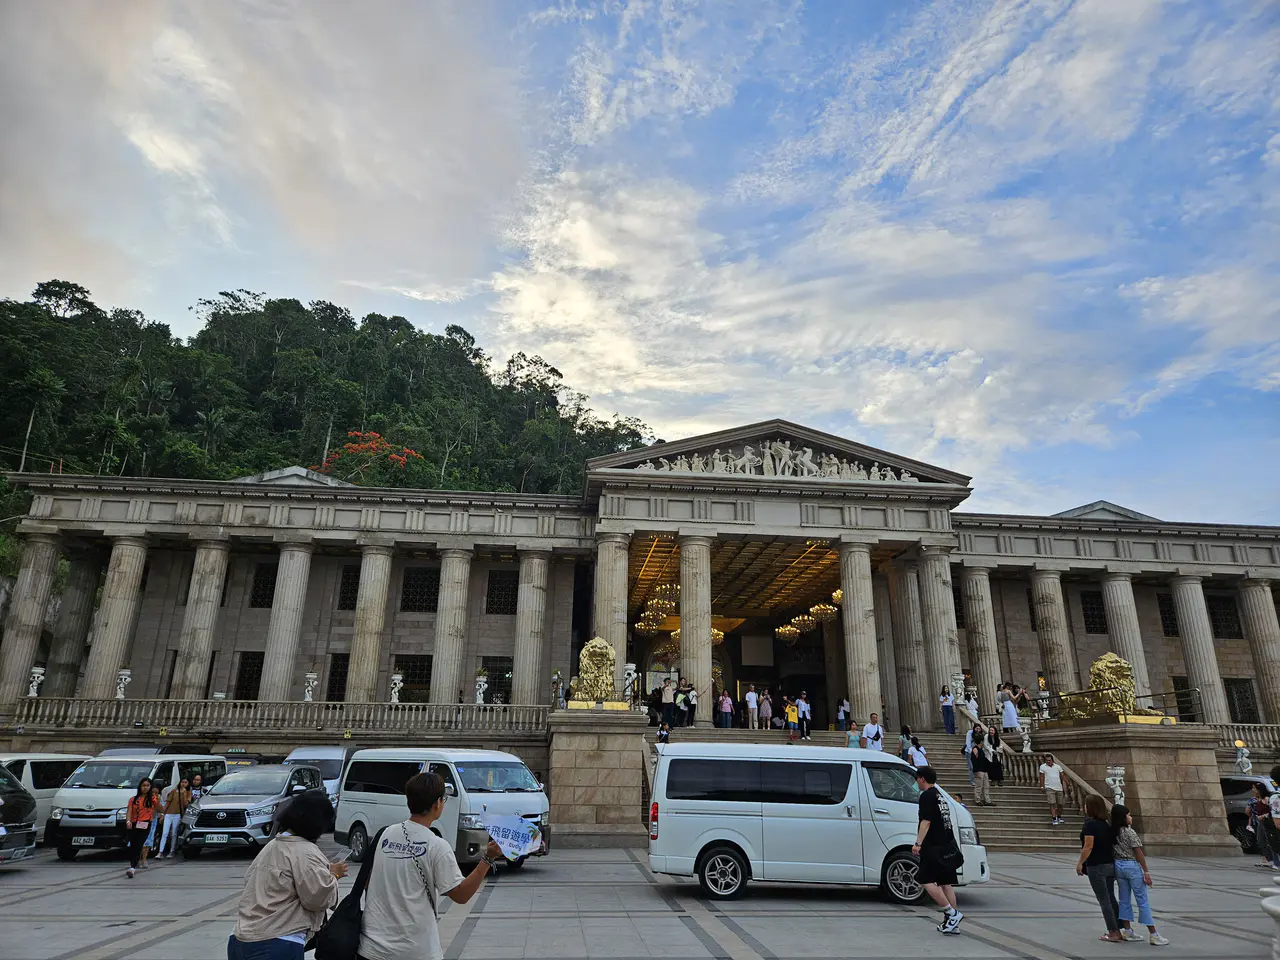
[1033, 242]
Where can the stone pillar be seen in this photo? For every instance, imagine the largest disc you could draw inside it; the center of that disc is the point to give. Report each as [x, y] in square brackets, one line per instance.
[451, 628]
[26, 615]
[71, 633]
[980, 624]
[863, 670]
[204, 598]
[1258, 611]
[695, 621]
[1197, 648]
[885, 651]
[1060, 675]
[531, 634]
[610, 602]
[941, 635]
[284, 629]
[1126, 634]
[371, 618]
[833, 661]
[116, 618]
[908, 636]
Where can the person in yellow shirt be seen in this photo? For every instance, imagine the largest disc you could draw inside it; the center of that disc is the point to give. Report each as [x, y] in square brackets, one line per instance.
[792, 713]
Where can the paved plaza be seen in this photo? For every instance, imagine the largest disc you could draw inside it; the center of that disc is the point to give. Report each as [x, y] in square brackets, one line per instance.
[605, 903]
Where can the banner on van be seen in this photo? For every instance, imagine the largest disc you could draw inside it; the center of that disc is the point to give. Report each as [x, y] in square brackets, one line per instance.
[516, 836]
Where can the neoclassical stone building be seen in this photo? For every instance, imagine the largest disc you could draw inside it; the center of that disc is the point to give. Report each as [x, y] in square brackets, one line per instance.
[241, 589]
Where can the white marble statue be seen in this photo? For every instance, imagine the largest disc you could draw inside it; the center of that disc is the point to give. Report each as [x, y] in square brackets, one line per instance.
[647, 465]
[482, 684]
[37, 678]
[1115, 781]
[1243, 763]
[804, 465]
[907, 477]
[309, 681]
[776, 458]
[887, 474]
[783, 464]
[697, 464]
[123, 679]
[397, 684]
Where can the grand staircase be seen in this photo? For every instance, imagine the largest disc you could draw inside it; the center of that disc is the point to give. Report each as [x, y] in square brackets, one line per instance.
[1019, 819]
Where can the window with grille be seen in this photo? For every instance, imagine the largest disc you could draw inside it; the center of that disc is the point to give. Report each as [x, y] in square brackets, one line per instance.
[349, 587]
[416, 671]
[263, 590]
[1242, 700]
[499, 677]
[957, 600]
[1031, 609]
[504, 587]
[1094, 610]
[1168, 615]
[335, 689]
[1224, 617]
[249, 675]
[420, 590]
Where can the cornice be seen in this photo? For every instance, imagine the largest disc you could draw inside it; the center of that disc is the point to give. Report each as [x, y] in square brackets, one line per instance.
[991, 521]
[773, 486]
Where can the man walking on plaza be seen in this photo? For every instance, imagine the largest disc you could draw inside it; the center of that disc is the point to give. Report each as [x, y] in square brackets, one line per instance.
[936, 847]
[1051, 784]
[753, 707]
[873, 734]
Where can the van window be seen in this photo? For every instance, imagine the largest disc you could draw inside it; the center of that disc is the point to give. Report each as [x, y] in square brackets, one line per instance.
[211, 771]
[51, 774]
[723, 780]
[330, 768]
[16, 767]
[380, 776]
[787, 782]
[891, 782]
[162, 776]
[117, 774]
[444, 771]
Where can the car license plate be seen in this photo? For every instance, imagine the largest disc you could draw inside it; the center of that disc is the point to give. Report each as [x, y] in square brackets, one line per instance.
[82, 841]
[215, 838]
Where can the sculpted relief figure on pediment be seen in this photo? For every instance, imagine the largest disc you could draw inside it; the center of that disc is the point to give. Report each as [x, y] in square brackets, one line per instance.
[778, 458]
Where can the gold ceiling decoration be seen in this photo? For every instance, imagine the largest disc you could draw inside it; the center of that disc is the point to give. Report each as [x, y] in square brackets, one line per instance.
[804, 623]
[838, 596]
[645, 629]
[667, 651]
[787, 633]
[667, 591]
[717, 636]
[824, 612]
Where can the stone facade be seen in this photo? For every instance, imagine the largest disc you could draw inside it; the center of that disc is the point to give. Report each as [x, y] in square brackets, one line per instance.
[597, 772]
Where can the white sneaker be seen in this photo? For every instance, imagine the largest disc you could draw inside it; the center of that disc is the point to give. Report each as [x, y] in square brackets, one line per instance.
[953, 922]
[129, 873]
[1131, 935]
[1157, 941]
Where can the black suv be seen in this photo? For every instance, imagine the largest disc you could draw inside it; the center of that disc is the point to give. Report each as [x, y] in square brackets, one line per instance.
[17, 818]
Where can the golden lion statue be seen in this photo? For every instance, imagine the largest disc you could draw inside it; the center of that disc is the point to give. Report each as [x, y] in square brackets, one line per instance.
[1111, 692]
[595, 672]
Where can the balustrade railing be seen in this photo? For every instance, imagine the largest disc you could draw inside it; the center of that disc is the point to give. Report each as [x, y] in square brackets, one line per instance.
[1256, 736]
[36, 713]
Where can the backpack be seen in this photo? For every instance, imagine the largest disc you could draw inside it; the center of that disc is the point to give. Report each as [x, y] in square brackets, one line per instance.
[339, 938]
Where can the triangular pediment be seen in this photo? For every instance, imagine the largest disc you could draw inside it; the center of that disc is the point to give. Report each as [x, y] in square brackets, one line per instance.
[1103, 510]
[777, 450]
[294, 477]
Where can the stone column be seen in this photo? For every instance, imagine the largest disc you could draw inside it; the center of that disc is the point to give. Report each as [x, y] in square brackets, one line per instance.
[941, 635]
[204, 598]
[1060, 675]
[371, 618]
[980, 624]
[284, 629]
[1197, 648]
[885, 651]
[71, 633]
[863, 670]
[833, 661]
[1258, 611]
[610, 603]
[25, 621]
[116, 618]
[531, 634]
[695, 621]
[1126, 634]
[915, 701]
[451, 627]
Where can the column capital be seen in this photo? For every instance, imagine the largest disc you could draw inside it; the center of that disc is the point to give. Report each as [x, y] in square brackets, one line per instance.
[975, 573]
[623, 538]
[1038, 574]
[693, 540]
[1116, 577]
[854, 546]
[1185, 580]
[223, 544]
[457, 553]
[297, 546]
[133, 541]
[936, 549]
[377, 550]
[1256, 582]
[534, 555]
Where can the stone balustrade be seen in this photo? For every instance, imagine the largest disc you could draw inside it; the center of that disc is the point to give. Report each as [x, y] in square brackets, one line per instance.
[1256, 736]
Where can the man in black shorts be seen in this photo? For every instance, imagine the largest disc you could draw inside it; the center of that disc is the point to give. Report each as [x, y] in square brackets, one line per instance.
[934, 840]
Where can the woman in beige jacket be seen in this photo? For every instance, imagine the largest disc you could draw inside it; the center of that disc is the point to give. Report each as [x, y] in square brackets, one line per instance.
[290, 887]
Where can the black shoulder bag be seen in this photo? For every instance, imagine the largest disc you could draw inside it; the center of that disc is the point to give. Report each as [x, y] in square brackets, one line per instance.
[339, 938]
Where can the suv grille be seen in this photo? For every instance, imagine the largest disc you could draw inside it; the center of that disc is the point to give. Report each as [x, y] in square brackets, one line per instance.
[221, 818]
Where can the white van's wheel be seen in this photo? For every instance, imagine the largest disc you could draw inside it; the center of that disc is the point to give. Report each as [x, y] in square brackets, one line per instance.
[359, 842]
[723, 874]
[902, 878]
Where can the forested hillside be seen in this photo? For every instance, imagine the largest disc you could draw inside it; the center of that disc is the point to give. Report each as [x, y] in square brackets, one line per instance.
[270, 383]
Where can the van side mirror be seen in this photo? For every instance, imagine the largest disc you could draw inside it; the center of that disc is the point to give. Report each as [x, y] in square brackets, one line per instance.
[449, 790]
[297, 788]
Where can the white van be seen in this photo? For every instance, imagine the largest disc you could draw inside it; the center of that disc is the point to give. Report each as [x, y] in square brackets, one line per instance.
[729, 813]
[88, 812]
[42, 774]
[476, 782]
[330, 760]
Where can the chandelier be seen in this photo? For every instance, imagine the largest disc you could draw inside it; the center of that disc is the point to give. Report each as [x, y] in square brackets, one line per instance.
[717, 636]
[804, 623]
[645, 629]
[823, 612]
[838, 596]
[667, 591]
[666, 652]
[787, 633]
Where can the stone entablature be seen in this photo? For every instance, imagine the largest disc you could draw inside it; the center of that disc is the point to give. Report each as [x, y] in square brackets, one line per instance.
[993, 540]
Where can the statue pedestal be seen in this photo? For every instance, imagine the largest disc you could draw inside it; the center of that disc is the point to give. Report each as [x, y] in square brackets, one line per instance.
[596, 778]
[1171, 781]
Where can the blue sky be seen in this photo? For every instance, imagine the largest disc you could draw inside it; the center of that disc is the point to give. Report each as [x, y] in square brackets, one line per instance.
[1032, 241]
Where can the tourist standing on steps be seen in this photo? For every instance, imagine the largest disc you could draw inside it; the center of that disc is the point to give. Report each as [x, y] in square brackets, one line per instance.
[137, 823]
[766, 709]
[668, 702]
[1051, 784]
[753, 707]
[904, 742]
[996, 769]
[805, 712]
[1008, 709]
[936, 847]
[664, 733]
[948, 704]
[690, 705]
[1133, 877]
[1098, 863]
[792, 714]
[726, 711]
[844, 715]
[915, 754]
[873, 734]
[969, 737]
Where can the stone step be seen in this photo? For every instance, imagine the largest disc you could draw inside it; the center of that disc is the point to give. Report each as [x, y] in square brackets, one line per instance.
[821, 738]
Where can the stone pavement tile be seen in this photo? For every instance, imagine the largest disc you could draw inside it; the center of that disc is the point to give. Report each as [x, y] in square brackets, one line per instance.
[554, 938]
[151, 901]
[910, 936]
[208, 941]
[1081, 939]
[30, 937]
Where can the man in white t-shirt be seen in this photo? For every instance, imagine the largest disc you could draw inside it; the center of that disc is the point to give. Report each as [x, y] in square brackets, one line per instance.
[873, 734]
[412, 869]
[1051, 784]
[753, 707]
[804, 712]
